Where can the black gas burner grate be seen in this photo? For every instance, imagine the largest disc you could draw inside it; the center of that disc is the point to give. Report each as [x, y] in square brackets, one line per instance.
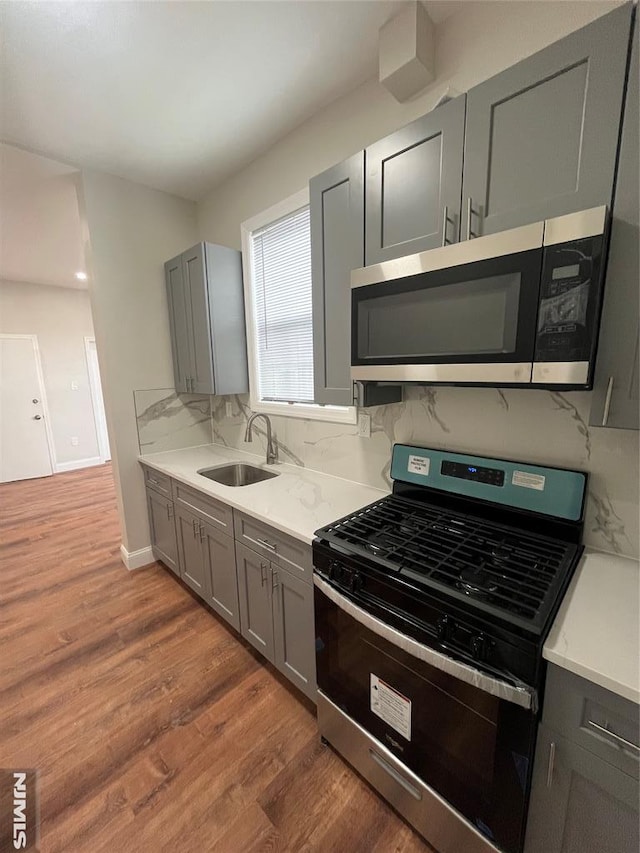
[512, 570]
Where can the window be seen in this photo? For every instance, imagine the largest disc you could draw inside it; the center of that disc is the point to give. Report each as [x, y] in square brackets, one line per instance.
[276, 247]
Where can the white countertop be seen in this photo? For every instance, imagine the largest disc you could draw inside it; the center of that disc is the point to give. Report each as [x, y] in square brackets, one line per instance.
[297, 502]
[595, 634]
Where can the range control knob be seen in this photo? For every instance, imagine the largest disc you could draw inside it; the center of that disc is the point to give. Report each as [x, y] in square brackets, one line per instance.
[335, 570]
[355, 581]
[479, 646]
[442, 627]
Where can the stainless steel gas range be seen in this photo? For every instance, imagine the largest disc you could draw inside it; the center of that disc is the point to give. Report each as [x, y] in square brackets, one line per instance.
[432, 606]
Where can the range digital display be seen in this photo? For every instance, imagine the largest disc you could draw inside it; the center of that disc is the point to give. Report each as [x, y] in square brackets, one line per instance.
[476, 473]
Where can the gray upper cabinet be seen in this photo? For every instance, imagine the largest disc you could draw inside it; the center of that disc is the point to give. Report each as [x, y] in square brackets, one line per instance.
[336, 200]
[206, 318]
[615, 392]
[413, 177]
[541, 138]
[163, 531]
[293, 626]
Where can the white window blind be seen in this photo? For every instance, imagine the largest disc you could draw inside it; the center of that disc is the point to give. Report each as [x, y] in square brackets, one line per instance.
[281, 280]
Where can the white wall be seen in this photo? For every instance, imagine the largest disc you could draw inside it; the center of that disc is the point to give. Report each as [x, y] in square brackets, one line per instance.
[130, 231]
[471, 46]
[61, 318]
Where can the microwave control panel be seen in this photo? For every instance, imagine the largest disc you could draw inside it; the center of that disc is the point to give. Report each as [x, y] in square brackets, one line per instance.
[570, 296]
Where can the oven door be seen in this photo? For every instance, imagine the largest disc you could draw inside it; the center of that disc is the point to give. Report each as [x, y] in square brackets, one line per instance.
[464, 313]
[472, 747]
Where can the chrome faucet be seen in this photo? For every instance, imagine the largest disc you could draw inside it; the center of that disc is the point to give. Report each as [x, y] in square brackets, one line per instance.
[272, 447]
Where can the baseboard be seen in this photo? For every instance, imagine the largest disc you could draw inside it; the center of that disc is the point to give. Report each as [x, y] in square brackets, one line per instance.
[137, 559]
[78, 463]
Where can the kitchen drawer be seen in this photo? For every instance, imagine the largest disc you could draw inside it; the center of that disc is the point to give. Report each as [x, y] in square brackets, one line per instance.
[209, 509]
[282, 550]
[596, 719]
[157, 481]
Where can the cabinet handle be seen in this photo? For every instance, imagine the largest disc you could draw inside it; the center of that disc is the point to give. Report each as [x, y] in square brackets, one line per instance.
[201, 529]
[267, 544]
[625, 743]
[274, 579]
[445, 222]
[552, 758]
[263, 573]
[470, 212]
[193, 524]
[607, 402]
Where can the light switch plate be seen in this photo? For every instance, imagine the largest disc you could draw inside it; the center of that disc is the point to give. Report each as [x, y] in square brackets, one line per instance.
[364, 425]
[74, 385]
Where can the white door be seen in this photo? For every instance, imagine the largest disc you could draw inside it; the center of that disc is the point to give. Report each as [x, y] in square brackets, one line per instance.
[24, 440]
[97, 399]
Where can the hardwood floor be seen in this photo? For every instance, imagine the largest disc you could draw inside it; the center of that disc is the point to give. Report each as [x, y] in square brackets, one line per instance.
[153, 726]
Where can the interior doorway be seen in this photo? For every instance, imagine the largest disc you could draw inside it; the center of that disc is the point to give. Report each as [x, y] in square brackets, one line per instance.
[26, 445]
[97, 399]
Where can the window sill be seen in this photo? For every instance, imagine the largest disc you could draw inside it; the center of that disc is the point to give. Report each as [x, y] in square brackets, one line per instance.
[308, 411]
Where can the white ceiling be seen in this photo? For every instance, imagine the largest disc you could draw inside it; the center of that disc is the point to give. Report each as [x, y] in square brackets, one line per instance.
[40, 232]
[179, 95]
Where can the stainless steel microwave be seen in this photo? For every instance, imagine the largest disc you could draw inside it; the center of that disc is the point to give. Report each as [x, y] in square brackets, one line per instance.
[521, 307]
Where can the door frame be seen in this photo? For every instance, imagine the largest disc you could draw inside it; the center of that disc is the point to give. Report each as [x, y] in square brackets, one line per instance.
[43, 396]
[99, 414]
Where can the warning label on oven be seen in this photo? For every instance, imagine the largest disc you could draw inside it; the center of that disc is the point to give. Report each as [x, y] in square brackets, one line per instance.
[528, 480]
[391, 706]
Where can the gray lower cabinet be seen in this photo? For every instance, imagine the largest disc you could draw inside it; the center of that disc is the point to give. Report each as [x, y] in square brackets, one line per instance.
[584, 793]
[413, 185]
[276, 617]
[190, 551]
[579, 803]
[255, 594]
[206, 319]
[293, 623]
[615, 400]
[163, 530]
[220, 566]
[541, 138]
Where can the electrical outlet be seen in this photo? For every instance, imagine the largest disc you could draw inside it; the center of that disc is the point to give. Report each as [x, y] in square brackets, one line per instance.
[228, 409]
[75, 441]
[364, 425]
[74, 385]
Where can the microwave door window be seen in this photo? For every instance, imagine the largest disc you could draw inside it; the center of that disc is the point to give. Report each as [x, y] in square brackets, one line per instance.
[466, 318]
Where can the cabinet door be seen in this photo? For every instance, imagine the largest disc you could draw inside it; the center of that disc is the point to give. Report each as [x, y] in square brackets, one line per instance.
[615, 392]
[413, 176]
[337, 246]
[163, 530]
[541, 137]
[178, 304]
[195, 276]
[579, 803]
[294, 630]
[220, 565]
[190, 552]
[254, 592]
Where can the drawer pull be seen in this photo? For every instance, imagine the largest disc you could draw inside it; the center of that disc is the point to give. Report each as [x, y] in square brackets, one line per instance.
[151, 480]
[607, 402]
[621, 740]
[552, 759]
[274, 579]
[380, 761]
[267, 544]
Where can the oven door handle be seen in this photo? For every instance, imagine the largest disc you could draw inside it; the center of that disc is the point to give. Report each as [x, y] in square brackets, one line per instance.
[519, 694]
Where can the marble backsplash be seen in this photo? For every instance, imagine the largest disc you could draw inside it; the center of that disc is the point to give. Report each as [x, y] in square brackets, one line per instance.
[170, 421]
[543, 427]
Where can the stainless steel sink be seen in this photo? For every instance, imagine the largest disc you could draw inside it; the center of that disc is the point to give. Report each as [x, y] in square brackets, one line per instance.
[238, 474]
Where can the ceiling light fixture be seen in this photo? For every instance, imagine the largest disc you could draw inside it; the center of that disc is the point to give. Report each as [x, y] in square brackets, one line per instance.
[81, 276]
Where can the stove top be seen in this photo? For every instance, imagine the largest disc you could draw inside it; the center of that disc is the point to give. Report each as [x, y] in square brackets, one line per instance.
[512, 570]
